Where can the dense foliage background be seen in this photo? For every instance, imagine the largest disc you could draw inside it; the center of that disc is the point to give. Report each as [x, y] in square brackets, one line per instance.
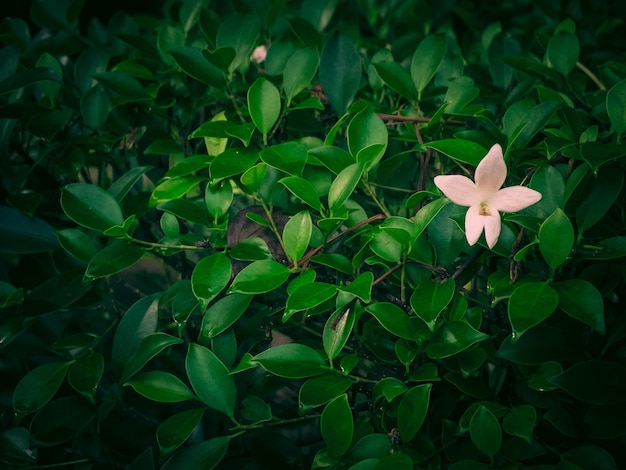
[222, 246]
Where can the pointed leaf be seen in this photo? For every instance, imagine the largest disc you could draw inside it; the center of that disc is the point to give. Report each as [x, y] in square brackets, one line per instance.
[426, 60]
[209, 277]
[340, 71]
[412, 411]
[263, 104]
[337, 426]
[529, 305]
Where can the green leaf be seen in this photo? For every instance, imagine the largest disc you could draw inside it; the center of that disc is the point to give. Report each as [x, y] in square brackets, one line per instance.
[361, 286]
[239, 32]
[308, 296]
[38, 386]
[521, 125]
[430, 298]
[340, 71]
[460, 93]
[193, 63]
[581, 300]
[209, 277]
[389, 388]
[20, 234]
[596, 381]
[426, 60]
[128, 88]
[452, 338]
[91, 206]
[549, 182]
[176, 429]
[289, 157]
[396, 321]
[293, 361]
[218, 198]
[95, 106]
[27, 77]
[562, 52]
[426, 214]
[139, 321]
[520, 421]
[174, 188]
[149, 347]
[485, 431]
[337, 330]
[10, 295]
[121, 186]
[599, 196]
[303, 189]
[299, 71]
[222, 314]
[556, 238]
[616, 106]
[263, 104]
[297, 235]
[343, 185]
[396, 76]
[210, 379]
[412, 411]
[320, 390]
[333, 158]
[85, 375]
[367, 137]
[233, 161]
[529, 305]
[255, 409]
[337, 426]
[160, 386]
[464, 151]
[205, 455]
[260, 277]
[187, 210]
[117, 256]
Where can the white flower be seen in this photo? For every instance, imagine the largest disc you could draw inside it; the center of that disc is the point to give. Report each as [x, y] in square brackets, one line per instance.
[258, 55]
[484, 198]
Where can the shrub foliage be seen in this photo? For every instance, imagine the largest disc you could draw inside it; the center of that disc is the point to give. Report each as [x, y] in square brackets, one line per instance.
[222, 245]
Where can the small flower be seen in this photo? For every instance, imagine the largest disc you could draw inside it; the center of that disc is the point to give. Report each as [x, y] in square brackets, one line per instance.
[258, 55]
[484, 198]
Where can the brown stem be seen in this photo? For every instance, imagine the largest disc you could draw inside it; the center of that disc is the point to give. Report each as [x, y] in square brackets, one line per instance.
[305, 259]
[397, 117]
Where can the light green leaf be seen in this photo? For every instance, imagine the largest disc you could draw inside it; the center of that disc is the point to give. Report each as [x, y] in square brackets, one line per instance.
[343, 185]
[210, 379]
[222, 314]
[426, 60]
[161, 386]
[209, 277]
[556, 238]
[263, 104]
[260, 277]
[297, 235]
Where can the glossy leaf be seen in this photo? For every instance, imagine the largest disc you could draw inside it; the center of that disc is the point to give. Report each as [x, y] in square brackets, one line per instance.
[205, 455]
[95, 106]
[367, 138]
[599, 197]
[160, 386]
[529, 305]
[38, 386]
[289, 157]
[293, 360]
[452, 338]
[556, 238]
[176, 429]
[61, 420]
[581, 300]
[485, 431]
[343, 185]
[320, 390]
[264, 104]
[520, 422]
[308, 296]
[299, 71]
[616, 106]
[22, 234]
[337, 426]
[210, 379]
[117, 256]
[232, 162]
[562, 52]
[193, 63]
[209, 277]
[85, 374]
[412, 410]
[260, 277]
[395, 320]
[149, 347]
[303, 189]
[337, 330]
[222, 314]
[464, 151]
[91, 206]
[218, 198]
[340, 71]
[297, 235]
[426, 60]
[139, 321]
[430, 298]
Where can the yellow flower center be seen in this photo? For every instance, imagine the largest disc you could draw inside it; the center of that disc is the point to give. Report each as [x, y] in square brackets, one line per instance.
[484, 209]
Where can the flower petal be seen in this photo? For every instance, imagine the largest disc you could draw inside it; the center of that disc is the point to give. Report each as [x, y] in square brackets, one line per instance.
[490, 172]
[492, 228]
[514, 198]
[474, 224]
[459, 189]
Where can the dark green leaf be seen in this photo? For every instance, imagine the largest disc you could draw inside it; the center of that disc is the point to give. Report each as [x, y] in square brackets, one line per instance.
[337, 426]
[556, 238]
[222, 314]
[320, 390]
[529, 305]
[205, 455]
[412, 410]
[340, 71]
[263, 104]
[176, 429]
[20, 234]
[293, 360]
[597, 382]
[260, 277]
[426, 60]
[193, 63]
[149, 347]
[209, 277]
[91, 206]
[485, 431]
[38, 386]
[452, 338]
[161, 386]
[117, 256]
[581, 300]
